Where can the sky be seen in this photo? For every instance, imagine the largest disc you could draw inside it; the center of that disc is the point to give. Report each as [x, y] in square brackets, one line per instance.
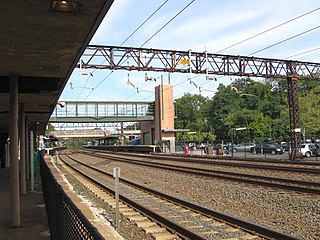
[211, 25]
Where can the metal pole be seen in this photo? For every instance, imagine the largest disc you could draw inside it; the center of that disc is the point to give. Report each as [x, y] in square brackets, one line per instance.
[116, 175]
[232, 142]
[22, 132]
[31, 161]
[14, 161]
[27, 149]
[122, 133]
[294, 117]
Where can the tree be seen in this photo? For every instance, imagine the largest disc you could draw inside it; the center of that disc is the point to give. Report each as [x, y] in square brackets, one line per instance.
[50, 128]
[310, 111]
[192, 114]
[260, 106]
[246, 103]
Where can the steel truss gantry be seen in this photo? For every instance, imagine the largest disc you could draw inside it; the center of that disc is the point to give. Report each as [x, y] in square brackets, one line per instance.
[160, 60]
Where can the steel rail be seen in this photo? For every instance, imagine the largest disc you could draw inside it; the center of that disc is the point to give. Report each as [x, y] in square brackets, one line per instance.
[245, 225]
[217, 174]
[217, 158]
[182, 231]
[243, 165]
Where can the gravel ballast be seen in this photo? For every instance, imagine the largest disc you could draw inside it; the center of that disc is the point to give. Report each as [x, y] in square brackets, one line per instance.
[291, 213]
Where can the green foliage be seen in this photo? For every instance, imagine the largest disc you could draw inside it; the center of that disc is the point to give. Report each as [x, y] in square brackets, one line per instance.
[192, 111]
[310, 111]
[50, 128]
[261, 107]
[74, 142]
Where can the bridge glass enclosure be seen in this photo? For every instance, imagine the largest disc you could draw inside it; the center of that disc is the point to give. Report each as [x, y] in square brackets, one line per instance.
[97, 111]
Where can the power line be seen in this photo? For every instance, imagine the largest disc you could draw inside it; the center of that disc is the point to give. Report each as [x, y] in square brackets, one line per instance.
[149, 38]
[309, 51]
[275, 44]
[268, 30]
[122, 44]
[144, 22]
[84, 87]
[167, 23]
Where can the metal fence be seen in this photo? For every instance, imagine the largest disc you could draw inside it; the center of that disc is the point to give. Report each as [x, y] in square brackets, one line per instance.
[240, 148]
[65, 219]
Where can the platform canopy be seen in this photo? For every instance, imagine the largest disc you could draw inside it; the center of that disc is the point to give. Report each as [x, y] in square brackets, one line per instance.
[41, 43]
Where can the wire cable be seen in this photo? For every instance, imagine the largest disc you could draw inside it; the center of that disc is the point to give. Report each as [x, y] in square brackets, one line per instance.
[126, 41]
[144, 22]
[275, 44]
[309, 51]
[167, 23]
[268, 30]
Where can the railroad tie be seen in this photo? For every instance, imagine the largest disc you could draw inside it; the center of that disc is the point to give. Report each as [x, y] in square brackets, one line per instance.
[146, 224]
[232, 229]
[154, 229]
[195, 214]
[195, 227]
[207, 219]
[137, 218]
[209, 233]
[164, 236]
[248, 237]
[185, 210]
[159, 233]
[218, 224]
[185, 221]
[124, 208]
[130, 213]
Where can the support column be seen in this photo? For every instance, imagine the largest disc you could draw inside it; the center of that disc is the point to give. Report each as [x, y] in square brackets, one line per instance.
[22, 131]
[14, 164]
[27, 149]
[295, 130]
[122, 133]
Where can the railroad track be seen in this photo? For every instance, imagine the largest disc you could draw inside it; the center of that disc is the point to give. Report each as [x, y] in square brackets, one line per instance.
[289, 166]
[185, 219]
[305, 187]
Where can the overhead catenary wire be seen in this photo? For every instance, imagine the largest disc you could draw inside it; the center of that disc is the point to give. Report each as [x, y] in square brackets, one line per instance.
[144, 22]
[154, 12]
[258, 34]
[270, 29]
[167, 23]
[305, 52]
[164, 27]
[285, 40]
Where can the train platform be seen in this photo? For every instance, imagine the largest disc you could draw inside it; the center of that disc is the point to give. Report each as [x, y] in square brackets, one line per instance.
[34, 224]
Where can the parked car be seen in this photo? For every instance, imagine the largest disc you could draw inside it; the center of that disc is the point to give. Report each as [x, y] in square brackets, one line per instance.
[285, 146]
[267, 148]
[317, 150]
[309, 149]
[225, 146]
[243, 147]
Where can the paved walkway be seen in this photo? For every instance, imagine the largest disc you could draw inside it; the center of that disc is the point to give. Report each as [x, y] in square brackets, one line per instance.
[34, 224]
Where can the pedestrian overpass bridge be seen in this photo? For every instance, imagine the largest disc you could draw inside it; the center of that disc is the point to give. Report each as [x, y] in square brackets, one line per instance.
[102, 111]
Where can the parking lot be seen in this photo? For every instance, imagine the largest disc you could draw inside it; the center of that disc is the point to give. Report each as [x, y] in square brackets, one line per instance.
[248, 155]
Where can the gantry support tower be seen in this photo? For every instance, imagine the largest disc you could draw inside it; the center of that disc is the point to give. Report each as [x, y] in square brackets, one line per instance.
[144, 59]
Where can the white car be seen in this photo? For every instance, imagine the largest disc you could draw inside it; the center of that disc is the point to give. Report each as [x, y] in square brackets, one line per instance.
[308, 149]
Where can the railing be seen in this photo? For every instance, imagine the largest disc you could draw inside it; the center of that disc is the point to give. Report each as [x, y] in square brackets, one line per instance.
[65, 219]
[243, 149]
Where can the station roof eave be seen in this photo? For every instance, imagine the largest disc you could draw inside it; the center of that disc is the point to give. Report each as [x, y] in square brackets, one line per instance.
[41, 46]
